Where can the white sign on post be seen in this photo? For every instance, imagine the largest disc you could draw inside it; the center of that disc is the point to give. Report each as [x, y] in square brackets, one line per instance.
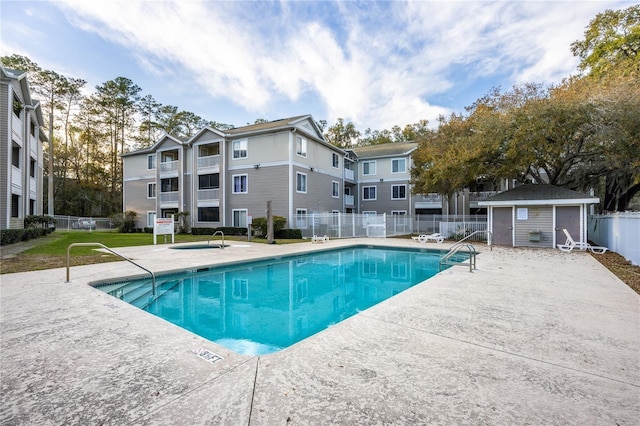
[163, 226]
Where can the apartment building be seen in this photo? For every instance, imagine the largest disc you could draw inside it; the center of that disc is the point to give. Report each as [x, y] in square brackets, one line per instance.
[383, 178]
[21, 138]
[224, 177]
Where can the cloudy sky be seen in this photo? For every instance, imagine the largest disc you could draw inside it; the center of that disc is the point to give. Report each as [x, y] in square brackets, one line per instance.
[377, 64]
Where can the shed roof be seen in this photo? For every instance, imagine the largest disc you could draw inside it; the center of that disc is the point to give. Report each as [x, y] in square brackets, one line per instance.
[539, 194]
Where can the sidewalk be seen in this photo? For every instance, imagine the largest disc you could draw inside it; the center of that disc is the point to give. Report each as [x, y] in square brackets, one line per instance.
[530, 337]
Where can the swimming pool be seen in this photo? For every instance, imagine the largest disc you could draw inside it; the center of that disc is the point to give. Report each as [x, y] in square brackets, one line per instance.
[260, 307]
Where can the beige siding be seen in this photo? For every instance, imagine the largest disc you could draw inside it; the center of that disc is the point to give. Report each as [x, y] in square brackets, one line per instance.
[5, 149]
[135, 167]
[539, 218]
[135, 198]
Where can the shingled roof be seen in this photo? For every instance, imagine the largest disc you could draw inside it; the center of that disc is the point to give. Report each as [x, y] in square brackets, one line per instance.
[385, 149]
[550, 194]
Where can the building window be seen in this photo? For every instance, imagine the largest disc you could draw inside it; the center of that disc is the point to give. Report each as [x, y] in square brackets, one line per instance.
[369, 168]
[398, 212]
[33, 129]
[239, 218]
[240, 149]
[151, 190]
[151, 162]
[151, 219]
[240, 184]
[335, 219]
[15, 155]
[15, 205]
[240, 289]
[399, 165]
[301, 182]
[211, 181]
[32, 206]
[335, 189]
[398, 192]
[208, 214]
[336, 161]
[32, 168]
[17, 105]
[369, 193]
[301, 146]
[169, 185]
[301, 218]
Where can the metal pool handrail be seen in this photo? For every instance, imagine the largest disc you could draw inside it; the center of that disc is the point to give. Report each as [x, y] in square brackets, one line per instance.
[153, 276]
[489, 237]
[456, 248]
[214, 234]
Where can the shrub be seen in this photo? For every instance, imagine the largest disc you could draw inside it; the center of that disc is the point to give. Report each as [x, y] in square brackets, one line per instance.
[289, 234]
[259, 225]
[227, 230]
[41, 221]
[10, 236]
[126, 222]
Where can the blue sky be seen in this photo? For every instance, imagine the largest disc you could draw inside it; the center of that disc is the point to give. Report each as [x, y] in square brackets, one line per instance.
[377, 64]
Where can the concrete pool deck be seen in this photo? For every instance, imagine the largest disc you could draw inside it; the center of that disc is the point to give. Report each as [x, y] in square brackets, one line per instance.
[533, 336]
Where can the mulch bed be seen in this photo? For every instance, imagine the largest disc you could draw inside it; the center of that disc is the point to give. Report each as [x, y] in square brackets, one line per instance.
[622, 268]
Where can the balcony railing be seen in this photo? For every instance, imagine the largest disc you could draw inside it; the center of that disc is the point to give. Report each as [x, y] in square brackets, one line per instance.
[348, 200]
[209, 161]
[478, 196]
[208, 194]
[349, 174]
[428, 198]
[168, 166]
[169, 197]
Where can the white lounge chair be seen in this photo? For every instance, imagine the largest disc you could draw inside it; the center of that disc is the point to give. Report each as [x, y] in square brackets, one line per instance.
[316, 239]
[570, 244]
[423, 238]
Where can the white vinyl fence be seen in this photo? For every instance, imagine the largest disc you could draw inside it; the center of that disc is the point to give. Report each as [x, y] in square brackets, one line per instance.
[351, 225]
[620, 232]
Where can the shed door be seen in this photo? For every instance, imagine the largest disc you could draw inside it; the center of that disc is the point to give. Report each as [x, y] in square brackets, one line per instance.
[503, 226]
[567, 217]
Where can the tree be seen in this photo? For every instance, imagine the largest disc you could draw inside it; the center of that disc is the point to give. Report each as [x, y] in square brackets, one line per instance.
[342, 135]
[611, 43]
[116, 102]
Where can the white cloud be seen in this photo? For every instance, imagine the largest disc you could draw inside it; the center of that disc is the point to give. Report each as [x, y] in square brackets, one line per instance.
[376, 64]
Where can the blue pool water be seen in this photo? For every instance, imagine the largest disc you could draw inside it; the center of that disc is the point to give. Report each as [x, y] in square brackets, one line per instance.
[261, 307]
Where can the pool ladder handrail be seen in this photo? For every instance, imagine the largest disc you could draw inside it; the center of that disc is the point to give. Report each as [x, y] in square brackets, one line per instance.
[444, 260]
[489, 238]
[153, 276]
[214, 234]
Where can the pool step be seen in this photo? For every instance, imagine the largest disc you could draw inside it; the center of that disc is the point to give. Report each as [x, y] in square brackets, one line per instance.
[140, 293]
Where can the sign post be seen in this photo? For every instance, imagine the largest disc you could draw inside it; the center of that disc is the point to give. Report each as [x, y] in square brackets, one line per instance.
[249, 222]
[163, 226]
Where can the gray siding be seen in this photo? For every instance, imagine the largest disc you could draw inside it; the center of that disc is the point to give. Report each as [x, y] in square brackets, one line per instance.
[539, 217]
[318, 197]
[264, 184]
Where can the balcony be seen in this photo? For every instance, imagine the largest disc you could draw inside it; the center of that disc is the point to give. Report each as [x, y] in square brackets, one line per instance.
[209, 194]
[169, 197]
[348, 200]
[428, 201]
[209, 162]
[349, 174]
[169, 167]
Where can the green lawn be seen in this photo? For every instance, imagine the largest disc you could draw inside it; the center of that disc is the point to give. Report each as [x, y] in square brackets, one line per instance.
[51, 251]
